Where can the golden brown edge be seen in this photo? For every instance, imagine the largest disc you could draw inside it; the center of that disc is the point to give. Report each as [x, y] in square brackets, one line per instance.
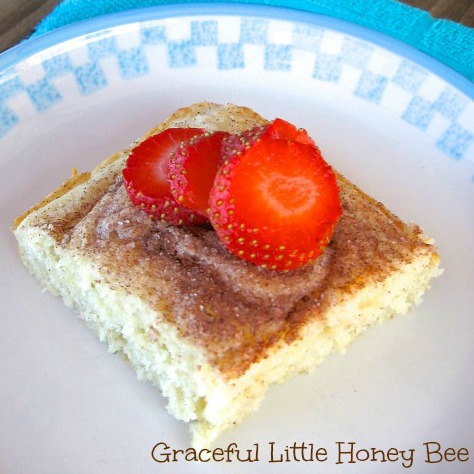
[70, 183]
[75, 180]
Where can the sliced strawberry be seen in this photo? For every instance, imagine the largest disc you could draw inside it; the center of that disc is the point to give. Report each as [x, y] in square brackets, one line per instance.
[275, 204]
[145, 176]
[277, 129]
[239, 142]
[281, 129]
[192, 169]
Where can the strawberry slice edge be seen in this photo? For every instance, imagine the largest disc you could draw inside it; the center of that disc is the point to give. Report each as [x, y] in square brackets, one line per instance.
[145, 177]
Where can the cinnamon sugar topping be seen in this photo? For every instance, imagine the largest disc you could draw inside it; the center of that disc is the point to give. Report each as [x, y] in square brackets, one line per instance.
[230, 308]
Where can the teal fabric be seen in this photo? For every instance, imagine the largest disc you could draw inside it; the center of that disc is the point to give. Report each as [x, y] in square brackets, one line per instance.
[444, 40]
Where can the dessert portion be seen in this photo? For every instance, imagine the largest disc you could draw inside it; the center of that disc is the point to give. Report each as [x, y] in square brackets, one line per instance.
[210, 326]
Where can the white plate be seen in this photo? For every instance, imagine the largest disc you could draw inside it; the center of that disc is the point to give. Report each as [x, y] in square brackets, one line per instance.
[394, 121]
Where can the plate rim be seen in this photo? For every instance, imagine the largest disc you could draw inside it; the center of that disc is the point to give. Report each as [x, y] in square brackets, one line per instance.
[51, 462]
[36, 44]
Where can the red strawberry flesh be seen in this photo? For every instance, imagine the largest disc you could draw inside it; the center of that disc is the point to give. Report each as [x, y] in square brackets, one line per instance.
[269, 194]
[192, 169]
[281, 129]
[145, 176]
[275, 204]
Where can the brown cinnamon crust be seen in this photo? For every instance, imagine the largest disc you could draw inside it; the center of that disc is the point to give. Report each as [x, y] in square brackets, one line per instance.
[236, 312]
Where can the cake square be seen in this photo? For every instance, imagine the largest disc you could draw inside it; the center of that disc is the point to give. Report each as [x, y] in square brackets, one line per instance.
[211, 331]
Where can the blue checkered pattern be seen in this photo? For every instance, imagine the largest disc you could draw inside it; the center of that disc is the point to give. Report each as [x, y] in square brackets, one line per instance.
[132, 59]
